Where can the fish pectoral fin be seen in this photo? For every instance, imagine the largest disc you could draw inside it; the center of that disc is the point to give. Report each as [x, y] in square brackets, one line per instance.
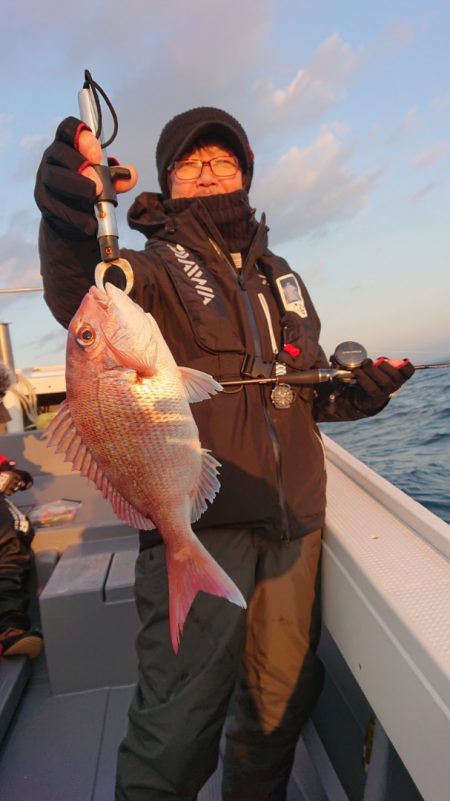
[208, 487]
[199, 386]
[133, 359]
[62, 434]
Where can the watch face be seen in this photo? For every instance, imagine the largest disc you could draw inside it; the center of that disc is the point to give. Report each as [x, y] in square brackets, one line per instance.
[282, 396]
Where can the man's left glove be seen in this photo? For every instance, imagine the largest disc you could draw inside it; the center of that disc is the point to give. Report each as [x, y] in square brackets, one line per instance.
[377, 381]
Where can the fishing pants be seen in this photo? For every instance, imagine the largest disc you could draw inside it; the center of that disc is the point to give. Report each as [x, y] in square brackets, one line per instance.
[262, 660]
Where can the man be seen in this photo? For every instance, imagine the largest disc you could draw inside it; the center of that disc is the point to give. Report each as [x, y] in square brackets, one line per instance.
[216, 291]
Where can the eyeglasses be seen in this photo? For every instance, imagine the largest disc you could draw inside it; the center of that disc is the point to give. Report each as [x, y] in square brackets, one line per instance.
[191, 169]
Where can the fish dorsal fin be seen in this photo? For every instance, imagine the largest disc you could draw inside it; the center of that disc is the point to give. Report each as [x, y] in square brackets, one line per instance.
[208, 487]
[63, 436]
[199, 386]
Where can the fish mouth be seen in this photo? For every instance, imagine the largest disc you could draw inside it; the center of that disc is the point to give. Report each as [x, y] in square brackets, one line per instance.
[93, 298]
[100, 297]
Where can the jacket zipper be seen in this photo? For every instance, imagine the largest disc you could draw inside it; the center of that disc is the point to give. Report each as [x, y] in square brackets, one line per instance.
[269, 422]
[266, 310]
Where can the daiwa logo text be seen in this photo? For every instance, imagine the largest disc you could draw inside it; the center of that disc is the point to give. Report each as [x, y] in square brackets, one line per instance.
[194, 272]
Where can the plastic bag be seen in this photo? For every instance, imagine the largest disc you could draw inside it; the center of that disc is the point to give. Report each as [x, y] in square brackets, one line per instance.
[54, 513]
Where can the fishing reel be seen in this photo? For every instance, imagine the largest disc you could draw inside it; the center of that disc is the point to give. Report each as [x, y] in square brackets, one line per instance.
[347, 356]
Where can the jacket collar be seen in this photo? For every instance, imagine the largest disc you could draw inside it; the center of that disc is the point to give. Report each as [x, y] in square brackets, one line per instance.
[149, 216]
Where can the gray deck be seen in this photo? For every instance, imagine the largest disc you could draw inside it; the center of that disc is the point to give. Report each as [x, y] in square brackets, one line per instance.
[59, 742]
[63, 748]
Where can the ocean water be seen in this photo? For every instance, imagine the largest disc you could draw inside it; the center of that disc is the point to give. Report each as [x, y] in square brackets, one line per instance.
[408, 443]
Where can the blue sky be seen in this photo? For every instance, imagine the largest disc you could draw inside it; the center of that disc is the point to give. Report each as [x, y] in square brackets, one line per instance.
[347, 107]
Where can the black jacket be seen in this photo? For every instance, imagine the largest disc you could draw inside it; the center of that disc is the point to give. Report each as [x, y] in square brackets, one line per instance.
[217, 319]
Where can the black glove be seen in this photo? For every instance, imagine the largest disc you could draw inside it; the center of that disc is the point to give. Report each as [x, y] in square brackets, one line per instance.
[23, 479]
[64, 196]
[376, 382]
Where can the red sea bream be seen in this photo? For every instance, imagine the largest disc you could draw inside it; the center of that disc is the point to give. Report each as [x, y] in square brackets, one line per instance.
[126, 424]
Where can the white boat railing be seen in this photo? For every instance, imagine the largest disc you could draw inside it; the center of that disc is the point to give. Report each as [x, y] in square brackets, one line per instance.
[386, 597]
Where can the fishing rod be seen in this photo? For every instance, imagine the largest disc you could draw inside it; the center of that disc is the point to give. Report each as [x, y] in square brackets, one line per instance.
[317, 376]
[437, 366]
[345, 358]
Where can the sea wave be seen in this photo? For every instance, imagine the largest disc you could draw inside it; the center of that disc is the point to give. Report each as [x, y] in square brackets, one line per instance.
[409, 441]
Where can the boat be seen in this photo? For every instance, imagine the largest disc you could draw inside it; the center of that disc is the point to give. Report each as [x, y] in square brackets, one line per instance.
[381, 728]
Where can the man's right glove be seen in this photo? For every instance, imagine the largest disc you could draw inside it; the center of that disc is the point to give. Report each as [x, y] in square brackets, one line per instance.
[67, 184]
[377, 381]
[64, 196]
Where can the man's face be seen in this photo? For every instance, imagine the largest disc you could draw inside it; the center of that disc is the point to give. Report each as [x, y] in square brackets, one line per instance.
[207, 182]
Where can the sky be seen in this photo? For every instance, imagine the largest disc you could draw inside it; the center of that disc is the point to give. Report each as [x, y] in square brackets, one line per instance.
[347, 109]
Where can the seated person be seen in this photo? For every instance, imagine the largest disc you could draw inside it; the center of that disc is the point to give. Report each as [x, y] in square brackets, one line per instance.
[17, 638]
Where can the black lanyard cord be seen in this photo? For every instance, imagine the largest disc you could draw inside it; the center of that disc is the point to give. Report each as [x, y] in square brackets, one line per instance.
[96, 89]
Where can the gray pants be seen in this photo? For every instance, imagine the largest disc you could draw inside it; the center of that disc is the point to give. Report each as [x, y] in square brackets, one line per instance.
[264, 658]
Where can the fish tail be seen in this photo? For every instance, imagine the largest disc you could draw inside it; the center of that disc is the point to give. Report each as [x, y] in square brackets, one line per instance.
[190, 570]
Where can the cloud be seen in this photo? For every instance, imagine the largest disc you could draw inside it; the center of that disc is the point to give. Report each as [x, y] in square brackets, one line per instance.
[19, 264]
[32, 147]
[441, 102]
[312, 187]
[36, 337]
[170, 53]
[315, 273]
[412, 123]
[173, 62]
[316, 87]
[422, 192]
[400, 34]
[52, 343]
[411, 120]
[181, 56]
[430, 156]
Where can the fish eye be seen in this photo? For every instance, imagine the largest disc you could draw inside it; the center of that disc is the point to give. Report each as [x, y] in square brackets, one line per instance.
[86, 335]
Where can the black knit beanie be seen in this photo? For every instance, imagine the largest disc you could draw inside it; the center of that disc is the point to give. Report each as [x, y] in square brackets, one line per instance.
[180, 133]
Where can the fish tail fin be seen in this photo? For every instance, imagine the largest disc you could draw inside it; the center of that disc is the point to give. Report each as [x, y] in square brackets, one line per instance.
[190, 570]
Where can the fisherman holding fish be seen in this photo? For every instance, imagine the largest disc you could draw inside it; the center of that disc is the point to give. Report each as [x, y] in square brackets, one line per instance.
[146, 420]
